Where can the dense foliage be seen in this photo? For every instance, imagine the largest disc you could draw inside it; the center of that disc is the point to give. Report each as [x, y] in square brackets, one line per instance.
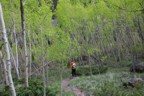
[96, 33]
[91, 27]
[91, 71]
[35, 89]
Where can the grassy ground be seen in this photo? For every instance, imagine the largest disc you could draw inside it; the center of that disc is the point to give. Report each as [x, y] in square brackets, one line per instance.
[108, 84]
[105, 84]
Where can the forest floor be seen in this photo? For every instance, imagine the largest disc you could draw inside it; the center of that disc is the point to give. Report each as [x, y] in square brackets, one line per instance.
[77, 91]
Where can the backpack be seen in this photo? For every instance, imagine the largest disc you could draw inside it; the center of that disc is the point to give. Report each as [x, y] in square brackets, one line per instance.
[73, 66]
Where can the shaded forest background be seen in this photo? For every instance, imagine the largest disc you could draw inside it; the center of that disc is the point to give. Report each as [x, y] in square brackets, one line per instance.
[93, 32]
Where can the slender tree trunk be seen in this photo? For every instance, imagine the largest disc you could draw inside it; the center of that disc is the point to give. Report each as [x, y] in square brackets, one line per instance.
[61, 76]
[5, 69]
[11, 85]
[89, 58]
[1, 69]
[55, 2]
[16, 49]
[47, 67]
[116, 42]
[140, 30]
[6, 73]
[25, 44]
[44, 76]
[30, 59]
[47, 75]
[14, 63]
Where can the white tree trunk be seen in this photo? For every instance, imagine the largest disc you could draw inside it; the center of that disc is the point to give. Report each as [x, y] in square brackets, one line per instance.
[30, 54]
[11, 85]
[16, 58]
[15, 64]
[1, 71]
[5, 69]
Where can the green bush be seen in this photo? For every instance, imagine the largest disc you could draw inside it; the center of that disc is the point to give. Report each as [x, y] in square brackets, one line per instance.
[35, 89]
[94, 69]
[4, 90]
[54, 89]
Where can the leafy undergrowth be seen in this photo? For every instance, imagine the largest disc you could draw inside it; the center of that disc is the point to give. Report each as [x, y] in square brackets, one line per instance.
[87, 70]
[68, 93]
[35, 89]
[108, 84]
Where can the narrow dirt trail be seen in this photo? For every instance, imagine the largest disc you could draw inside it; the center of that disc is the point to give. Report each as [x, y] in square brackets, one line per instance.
[66, 87]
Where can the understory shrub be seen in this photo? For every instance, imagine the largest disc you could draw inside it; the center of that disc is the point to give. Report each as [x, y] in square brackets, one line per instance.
[94, 69]
[35, 89]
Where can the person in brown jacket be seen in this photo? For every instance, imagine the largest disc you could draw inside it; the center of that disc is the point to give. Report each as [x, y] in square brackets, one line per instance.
[73, 67]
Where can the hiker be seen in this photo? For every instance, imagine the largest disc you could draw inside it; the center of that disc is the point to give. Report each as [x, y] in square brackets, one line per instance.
[73, 67]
